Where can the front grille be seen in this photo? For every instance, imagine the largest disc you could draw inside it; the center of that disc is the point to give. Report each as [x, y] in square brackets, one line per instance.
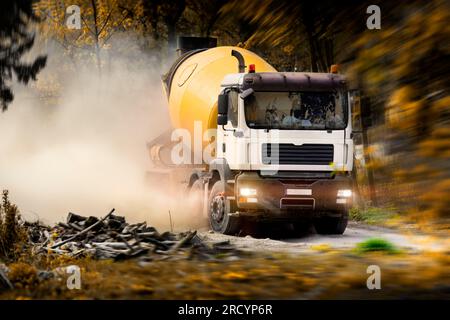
[318, 154]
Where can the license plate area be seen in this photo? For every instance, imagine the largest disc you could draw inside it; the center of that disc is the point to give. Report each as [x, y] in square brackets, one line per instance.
[298, 192]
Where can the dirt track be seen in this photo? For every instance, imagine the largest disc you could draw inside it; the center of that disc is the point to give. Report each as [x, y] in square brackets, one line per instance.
[311, 241]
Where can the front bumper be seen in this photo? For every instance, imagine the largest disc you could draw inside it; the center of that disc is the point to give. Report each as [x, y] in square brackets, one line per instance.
[307, 196]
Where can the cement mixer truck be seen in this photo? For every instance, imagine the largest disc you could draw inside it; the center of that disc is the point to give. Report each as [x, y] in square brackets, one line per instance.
[254, 144]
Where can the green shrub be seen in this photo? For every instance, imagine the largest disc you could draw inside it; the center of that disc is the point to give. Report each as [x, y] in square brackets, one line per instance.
[376, 244]
[372, 215]
[11, 234]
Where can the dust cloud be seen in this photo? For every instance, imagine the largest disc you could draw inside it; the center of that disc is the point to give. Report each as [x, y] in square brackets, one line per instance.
[87, 152]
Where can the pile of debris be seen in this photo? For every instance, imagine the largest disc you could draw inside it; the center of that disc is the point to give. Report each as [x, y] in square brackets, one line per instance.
[111, 237]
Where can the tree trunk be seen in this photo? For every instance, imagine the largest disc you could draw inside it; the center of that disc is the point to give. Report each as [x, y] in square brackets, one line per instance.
[96, 37]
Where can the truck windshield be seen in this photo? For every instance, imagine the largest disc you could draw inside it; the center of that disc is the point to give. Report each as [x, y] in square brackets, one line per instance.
[323, 110]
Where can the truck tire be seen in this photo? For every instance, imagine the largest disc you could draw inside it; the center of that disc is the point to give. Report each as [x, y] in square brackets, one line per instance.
[195, 203]
[331, 225]
[218, 212]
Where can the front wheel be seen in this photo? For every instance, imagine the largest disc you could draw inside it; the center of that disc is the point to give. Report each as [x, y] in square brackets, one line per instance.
[331, 225]
[218, 212]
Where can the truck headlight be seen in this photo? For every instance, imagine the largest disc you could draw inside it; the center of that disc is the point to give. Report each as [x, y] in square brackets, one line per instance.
[345, 193]
[247, 192]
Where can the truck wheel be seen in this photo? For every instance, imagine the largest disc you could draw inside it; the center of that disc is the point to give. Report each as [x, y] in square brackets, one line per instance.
[331, 225]
[218, 212]
[195, 201]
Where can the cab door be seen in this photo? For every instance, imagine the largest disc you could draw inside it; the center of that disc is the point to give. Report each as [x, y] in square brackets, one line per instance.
[229, 143]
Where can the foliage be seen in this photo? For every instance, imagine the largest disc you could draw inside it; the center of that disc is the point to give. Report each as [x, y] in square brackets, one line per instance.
[100, 20]
[328, 275]
[405, 67]
[15, 41]
[22, 275]
[308, 33]
[376, 244]
[372, 215]
[11, 234]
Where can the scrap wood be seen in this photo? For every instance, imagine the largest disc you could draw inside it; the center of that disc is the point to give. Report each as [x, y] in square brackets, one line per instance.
[112, 237]
[83, 231]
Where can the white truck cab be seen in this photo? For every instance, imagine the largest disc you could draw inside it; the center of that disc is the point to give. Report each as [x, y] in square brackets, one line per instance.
[284, 151]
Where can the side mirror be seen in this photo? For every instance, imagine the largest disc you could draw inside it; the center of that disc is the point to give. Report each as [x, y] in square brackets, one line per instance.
[222, 119]
[247, 93]
[222, 104]
[222, 109]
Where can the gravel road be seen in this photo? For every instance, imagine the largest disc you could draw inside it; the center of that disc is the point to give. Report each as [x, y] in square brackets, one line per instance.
[354, 234]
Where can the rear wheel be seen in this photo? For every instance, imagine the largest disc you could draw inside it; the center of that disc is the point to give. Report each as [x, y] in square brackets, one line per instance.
[195, 204]
[218, 212]
[331, 225]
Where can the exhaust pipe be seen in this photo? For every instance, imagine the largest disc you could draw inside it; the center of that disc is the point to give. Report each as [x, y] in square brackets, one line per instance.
[240, 58]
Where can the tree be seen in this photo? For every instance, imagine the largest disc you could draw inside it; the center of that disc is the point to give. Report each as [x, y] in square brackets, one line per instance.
[161, 17]
[100, 20]
[405, 66]
[208, 14]
[291, 23]
[15, 41]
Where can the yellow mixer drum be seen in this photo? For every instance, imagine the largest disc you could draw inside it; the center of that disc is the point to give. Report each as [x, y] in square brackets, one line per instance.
[193, 84]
